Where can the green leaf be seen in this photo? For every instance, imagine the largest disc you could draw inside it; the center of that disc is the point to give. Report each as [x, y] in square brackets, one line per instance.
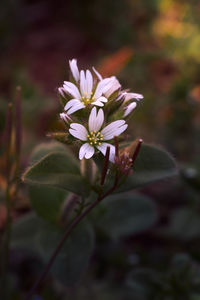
[47, 201]
[32, 233]
[73, 258]
[124, 215]
[59, 169]
[152, 164]
[145, 283]
[184, 224]
[24, 232]
[45, 148]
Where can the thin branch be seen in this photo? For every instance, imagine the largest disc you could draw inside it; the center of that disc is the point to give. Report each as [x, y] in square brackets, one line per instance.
[18, 137]
[74, 223]
[18, 123]
[5, 256]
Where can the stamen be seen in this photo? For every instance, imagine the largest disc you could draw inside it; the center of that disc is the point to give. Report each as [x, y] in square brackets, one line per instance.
[87, 98]
[95, 138]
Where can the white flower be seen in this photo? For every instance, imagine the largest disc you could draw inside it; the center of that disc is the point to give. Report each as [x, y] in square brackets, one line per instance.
[61, 92]
[129, 96]
[95, 137]
[65, 117]
[114, 84]
[89, 92]
[97, 73]
[128, 109]
[126, 97]
[74, 69]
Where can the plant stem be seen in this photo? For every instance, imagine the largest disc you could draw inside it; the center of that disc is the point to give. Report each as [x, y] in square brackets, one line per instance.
[18, 135]
[74, 223]
[6, 245]
[5, 260]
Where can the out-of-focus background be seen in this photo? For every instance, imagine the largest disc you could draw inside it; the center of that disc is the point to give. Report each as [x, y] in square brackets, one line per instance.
[153, 47]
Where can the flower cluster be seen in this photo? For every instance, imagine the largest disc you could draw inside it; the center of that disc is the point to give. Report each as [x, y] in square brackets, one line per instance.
[93, 99]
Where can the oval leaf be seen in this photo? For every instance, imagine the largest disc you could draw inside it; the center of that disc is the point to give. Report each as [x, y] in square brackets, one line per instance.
[59, 170]
[34, 234]
[45, 148]
[152, 164]
[127, 214]
[47, 201]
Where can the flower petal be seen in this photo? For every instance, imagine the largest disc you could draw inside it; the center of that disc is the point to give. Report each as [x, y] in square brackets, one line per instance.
[111, 87]
[114, 129]
[129, 96]
[103, 148]
[96, 119]
[86, 151]
[98, 103]
[74, 69]
[65, 117]
[71, 89]
[128, 109]
[71, 103]
[102, 99]
[61, 91]
[78, 131]
[75, 108]
[89, 82]
[97, 73]
[83, 84]
[100, 87]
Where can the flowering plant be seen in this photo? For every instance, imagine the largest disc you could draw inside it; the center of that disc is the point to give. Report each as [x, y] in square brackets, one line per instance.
[93, 161]
[83, 96]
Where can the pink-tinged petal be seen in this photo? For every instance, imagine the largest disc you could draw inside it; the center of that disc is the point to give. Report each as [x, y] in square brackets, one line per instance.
[102, 99]
[71, 103]
[78, 131]
[111, 87]
[65, 117]
[83, 85]
[74, 69]
[61, 92]
[89, 81]
[98, 103]
[114, 129]
[92, 119]
[103, 148]
[97, 73]
[100, 87]
[96, 119]
[86, 151]
[100, 119]
[128, 109]
[129, 96]
[71, 89]
[75, 108]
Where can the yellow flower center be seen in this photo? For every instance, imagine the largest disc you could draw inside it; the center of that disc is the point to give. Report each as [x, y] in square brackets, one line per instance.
[87, 98]
[95, 138]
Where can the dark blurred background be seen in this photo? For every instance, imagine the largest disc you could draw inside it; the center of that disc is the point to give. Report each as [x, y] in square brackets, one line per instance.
[153, 47]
